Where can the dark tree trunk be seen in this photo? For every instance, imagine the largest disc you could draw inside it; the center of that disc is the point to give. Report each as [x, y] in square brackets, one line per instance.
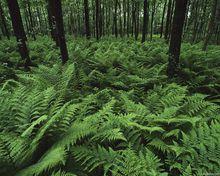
[87, 25]
[211, 25]
[203, 19]
[176, 37]
[168, 19]
[125, 17]
[31, 20]
[52, 22]
[58, 16]
[135, 19]
[196, 23]
[128, 18]
[115, 19]
[2, 18]
[120, 20]
[162, 22]
[138, 20]
[145, 21]
[152, 19]
[97, 18]
[171, 19]
[19, 31]
[40, 20]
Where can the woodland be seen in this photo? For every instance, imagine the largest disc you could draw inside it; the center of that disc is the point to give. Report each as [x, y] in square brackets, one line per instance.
[109, 87]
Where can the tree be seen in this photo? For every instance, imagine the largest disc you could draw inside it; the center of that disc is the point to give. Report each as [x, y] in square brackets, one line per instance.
[31, 19]
[58, 16]
[52, 22]
[176, 37]
[168, 19]
[115, 19]
[19, 32]
[3, 20]
[86, 12]
[97, 19]
[152, 19]
[162, 21]
[145, 21]
[211, 25]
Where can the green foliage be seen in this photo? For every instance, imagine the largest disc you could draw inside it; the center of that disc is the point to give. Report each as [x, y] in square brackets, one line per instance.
[111, 111]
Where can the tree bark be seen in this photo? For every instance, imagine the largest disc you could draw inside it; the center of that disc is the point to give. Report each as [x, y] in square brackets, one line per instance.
[168, 19]
[145, 21]
[3, 20]
[87, 25]
[58, 16]
[152, 19]
[115, 19]
[19, 31]
[176, 37]
[97, 18]
[31, 20]
[162, 22]
[211, 25]
[52, 22]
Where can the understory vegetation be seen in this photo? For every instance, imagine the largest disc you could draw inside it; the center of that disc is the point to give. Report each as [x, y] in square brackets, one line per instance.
[110, 110]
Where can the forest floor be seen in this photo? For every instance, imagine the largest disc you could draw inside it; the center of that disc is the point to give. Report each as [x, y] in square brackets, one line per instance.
[111, 107]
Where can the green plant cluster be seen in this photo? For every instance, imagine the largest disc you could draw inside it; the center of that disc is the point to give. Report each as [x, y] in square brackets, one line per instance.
[111, 111]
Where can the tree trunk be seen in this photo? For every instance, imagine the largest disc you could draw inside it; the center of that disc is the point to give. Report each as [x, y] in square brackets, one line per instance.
[145, 21]
[128, 18]
[19, 31]
[120, 20]
[97, 19]
[125, 17]
[152, 19]
[58, 16]
[196, 23]
[87, 25]
[171, 19]
[52, 22]
[115, 19]
[168, 19]
[176, 37]
[211, 25]
[31, 20]
[162, 22]
[2, 17]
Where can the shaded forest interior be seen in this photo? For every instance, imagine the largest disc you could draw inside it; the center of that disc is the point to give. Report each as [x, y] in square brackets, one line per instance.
[109, 87]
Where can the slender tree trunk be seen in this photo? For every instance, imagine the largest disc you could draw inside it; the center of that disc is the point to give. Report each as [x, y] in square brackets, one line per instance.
[31, 20]
[87, 25]
[171, 20]
[40, 20]
[58, 16]
[168, 19]
[135, 20]
[125, 17]
[176, 37]
[52, 22]
[152, 19]
[145, 21]
[100, 18]
[19, 31]
[3, 20]
[196, 23]
[211, 25]
[120, 20]
[162, 22]
[203, 19]
[128, 19]
[97, 19]
[115, 19]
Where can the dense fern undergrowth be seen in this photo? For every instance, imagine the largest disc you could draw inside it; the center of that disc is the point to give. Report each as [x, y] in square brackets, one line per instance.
[110, 111]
